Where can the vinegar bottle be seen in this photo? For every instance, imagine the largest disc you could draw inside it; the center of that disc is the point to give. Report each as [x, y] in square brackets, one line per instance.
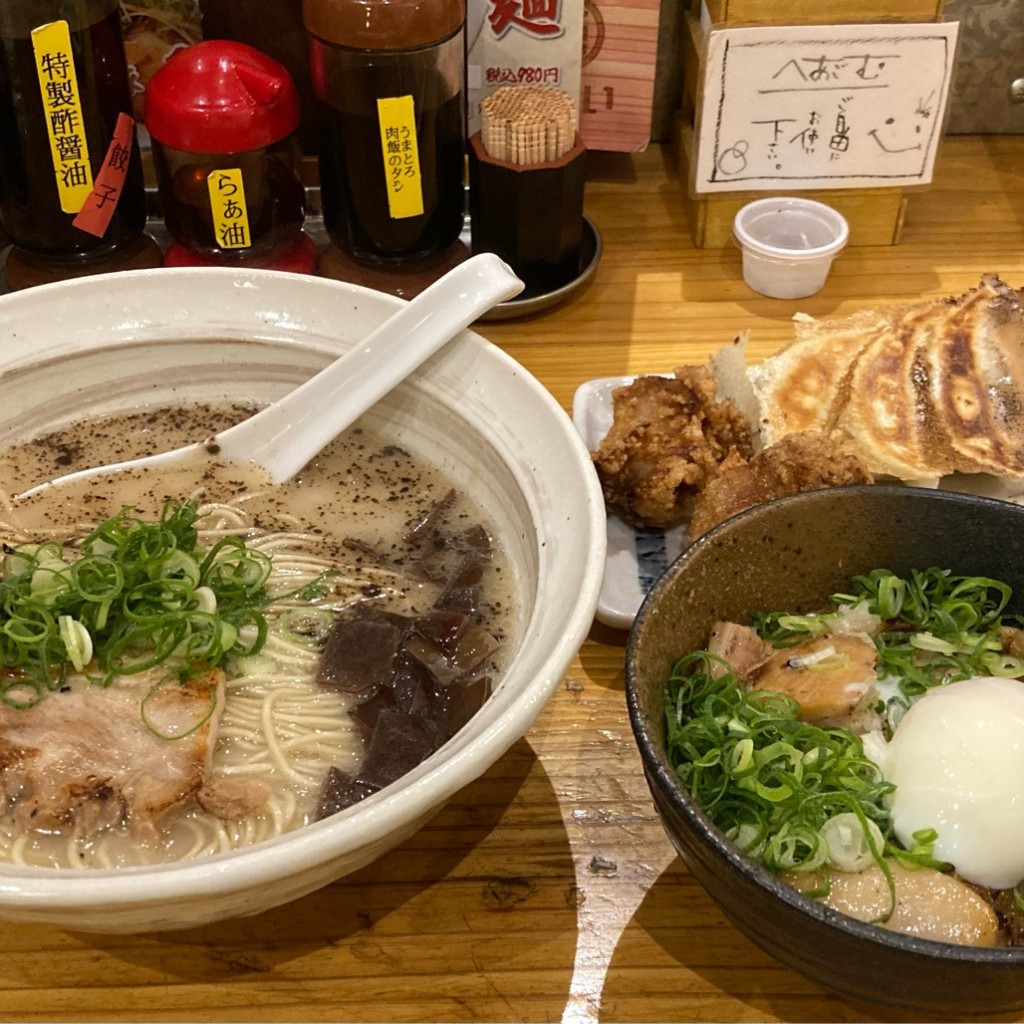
[72, 198]
[389, 80]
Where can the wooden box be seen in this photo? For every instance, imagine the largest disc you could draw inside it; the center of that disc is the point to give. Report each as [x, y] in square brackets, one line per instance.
[820, 12]
[875, 215]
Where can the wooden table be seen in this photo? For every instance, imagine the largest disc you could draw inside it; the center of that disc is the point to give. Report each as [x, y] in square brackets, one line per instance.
[547, 890]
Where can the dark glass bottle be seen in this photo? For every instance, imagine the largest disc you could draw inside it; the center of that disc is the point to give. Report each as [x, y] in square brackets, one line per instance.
[274, 29]
[31, 210]
[388, 76]
[275, 198]
[223, 118]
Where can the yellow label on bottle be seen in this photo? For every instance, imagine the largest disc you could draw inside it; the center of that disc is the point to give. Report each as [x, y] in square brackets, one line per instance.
[397, 117]
[62, 105]
[227, 203]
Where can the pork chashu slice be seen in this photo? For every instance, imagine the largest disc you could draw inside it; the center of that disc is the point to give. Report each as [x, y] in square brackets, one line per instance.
[922, 390]
[90, 757]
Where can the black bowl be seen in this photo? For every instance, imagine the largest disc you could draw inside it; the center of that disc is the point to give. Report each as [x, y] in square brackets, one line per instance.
[792, 553]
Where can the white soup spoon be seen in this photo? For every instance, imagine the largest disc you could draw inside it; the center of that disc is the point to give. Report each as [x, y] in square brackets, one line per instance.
[285, 435]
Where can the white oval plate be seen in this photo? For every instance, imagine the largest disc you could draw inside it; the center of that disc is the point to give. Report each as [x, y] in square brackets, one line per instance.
[635, 558]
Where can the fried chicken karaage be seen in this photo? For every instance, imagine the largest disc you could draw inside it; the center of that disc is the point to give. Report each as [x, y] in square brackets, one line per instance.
[667, 440]
[806, 461]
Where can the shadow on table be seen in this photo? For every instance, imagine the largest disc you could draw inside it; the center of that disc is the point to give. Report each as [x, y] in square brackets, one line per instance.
[412, 927]
[695, 961]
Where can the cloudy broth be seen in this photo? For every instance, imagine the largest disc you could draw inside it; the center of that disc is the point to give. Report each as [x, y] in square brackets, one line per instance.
[349, 510]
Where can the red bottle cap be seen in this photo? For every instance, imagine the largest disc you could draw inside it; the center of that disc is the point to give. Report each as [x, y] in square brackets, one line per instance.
[221, 97]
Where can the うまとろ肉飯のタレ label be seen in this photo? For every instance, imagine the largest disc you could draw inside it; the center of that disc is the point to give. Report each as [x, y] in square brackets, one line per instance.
[400, 148]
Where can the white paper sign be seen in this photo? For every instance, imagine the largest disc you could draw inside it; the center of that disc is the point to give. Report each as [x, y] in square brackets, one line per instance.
[813, 106]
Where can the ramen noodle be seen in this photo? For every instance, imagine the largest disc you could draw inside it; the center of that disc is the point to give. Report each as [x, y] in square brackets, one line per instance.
[345, 522]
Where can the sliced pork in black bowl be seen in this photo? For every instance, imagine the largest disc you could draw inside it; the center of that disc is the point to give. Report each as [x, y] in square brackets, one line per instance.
[827, 695]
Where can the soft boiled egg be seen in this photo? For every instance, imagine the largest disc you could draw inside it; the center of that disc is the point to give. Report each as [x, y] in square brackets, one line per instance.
[957, 761]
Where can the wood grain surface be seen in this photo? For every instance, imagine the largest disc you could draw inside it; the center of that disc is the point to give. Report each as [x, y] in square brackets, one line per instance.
[546, 891]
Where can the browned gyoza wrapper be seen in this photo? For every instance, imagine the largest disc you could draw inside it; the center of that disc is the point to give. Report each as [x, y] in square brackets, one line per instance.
[922, 390]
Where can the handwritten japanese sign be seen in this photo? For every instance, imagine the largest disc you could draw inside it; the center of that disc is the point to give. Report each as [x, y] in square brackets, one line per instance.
[227, 204]
[400, 149]
[58, 84]
[838, 106]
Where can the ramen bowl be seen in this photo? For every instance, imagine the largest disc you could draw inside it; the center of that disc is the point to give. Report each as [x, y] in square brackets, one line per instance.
[85, 348]
[792, 554]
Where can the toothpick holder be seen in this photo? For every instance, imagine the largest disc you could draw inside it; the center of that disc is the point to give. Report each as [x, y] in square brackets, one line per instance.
[531, 215]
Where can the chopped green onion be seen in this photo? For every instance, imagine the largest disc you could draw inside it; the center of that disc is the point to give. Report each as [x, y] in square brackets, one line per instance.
[131, 596]
[251, 665]
[784, 630]
[921, 852]
[812, 657]
[181, 565]
[891, 593]
[50, 581]
[20, 695]
[795, 847]
[758, 771]
[794, 795]
[1005, 665]
[27, 556]
[927, 642]
[77, 641]
[854, 841]
[307, 626]
[946, 629]
[175, 729]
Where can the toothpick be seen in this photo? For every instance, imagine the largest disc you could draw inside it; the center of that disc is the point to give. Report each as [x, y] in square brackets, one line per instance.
[527, 124]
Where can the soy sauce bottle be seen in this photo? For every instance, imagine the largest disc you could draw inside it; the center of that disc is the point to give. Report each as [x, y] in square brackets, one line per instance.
[72, 197]
[389, 80]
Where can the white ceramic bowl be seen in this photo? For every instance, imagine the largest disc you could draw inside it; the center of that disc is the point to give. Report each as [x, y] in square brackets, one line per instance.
[145, 338]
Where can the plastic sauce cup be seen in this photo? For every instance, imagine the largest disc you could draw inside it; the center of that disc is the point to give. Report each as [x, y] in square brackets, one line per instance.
[788, 244]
